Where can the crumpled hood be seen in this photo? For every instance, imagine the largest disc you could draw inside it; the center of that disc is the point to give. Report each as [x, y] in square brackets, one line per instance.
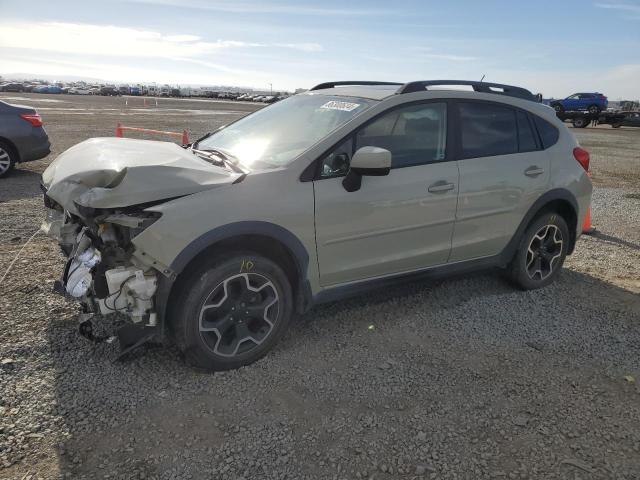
[121, 172]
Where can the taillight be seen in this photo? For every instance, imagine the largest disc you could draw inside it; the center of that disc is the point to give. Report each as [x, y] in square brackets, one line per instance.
[33, 118]
[582, 156]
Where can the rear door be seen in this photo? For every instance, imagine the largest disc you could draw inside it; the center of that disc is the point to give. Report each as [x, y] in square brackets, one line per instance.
[586, 100]
[572, 102]
[502, 172]
[397, 223]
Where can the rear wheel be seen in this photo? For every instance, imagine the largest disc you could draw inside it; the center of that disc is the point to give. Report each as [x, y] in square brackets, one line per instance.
[232, 311]
[593, 109]
[7, 159]
[580, 122]
[541, 252]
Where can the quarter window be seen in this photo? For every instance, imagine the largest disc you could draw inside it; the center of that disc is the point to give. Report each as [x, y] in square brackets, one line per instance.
[415, 135]
[487, 130]
[548, 133]
[526, 138]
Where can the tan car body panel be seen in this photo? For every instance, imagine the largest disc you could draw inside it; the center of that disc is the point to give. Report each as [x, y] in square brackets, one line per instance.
[286, 201]
[120, 172]
[281, 198]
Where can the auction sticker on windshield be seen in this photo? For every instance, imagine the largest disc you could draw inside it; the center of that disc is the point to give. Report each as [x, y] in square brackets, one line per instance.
[344, 106]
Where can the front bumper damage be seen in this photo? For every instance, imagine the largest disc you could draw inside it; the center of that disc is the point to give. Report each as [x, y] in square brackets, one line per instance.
[106, 273]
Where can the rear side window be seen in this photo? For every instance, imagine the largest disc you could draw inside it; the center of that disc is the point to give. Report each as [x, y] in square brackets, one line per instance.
[487, 130]
[526, 137]
[548, 133]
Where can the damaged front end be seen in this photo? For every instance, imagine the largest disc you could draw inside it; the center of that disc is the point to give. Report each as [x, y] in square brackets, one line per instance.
[105, 271]
[98, 196]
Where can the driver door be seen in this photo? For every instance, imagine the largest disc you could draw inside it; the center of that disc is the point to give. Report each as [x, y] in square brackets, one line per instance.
[393, 224]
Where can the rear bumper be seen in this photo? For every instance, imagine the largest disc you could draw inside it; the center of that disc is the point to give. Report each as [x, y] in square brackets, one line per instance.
[34, 146]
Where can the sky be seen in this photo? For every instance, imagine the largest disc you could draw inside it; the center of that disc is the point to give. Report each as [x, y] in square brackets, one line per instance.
[556, 47]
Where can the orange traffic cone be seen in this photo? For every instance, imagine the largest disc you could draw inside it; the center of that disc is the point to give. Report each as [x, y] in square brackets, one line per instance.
[119, 130]
[587, 227]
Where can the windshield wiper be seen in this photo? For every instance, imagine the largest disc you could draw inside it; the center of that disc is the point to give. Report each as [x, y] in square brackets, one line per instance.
[220, 158]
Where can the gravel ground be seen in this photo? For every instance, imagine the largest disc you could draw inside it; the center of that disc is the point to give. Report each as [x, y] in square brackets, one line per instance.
[460, 379]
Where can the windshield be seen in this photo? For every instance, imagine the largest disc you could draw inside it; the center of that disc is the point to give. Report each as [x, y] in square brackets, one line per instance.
[277, 134]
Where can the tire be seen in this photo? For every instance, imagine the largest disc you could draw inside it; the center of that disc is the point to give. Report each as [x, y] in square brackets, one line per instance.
[580, 122]
[7, 159]
[593, 109]
[616, 125]
[558, 107]
[210, 324]
[540, 257]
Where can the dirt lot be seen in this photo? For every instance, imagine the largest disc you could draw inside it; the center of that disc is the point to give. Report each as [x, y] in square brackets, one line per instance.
[460, 379]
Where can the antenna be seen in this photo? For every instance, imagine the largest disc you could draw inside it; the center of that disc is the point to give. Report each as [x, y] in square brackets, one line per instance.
[482, 78]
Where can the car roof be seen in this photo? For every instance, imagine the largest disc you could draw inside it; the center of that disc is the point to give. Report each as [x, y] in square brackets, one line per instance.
[380, 90]
[383, 92]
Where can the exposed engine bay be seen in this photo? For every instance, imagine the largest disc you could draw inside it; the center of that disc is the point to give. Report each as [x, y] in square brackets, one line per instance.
[103, 270]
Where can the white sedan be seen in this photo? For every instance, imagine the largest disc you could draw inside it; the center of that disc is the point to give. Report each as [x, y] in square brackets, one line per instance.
[79, 91]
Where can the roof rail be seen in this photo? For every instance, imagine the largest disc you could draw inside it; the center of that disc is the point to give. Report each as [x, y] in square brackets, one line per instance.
[322, 86]
[485, 87]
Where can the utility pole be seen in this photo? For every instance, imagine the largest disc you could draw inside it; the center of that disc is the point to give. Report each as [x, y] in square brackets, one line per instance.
[271, 88]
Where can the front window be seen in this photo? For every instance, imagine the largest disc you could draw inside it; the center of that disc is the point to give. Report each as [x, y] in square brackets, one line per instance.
[275, 135]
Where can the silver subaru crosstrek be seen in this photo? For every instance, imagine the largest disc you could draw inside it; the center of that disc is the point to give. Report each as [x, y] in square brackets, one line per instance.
[352, 185]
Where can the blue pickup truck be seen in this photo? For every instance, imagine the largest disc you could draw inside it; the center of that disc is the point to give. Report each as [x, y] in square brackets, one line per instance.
[593, 103]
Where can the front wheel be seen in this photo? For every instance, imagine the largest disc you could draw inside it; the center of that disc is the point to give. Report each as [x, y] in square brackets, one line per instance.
[558, 107]
[231, 311]
[541, 252]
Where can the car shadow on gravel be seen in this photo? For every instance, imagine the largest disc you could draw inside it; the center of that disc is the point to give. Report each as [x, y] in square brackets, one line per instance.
[20, 184]
[136, 418]
[611, 239]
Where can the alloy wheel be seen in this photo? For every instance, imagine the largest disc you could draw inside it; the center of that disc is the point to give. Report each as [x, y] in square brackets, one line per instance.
[239, 314]
[5, 161]
[545, 249]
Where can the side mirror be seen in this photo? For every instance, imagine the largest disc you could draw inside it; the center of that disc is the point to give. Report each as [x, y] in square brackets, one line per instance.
[372, 161]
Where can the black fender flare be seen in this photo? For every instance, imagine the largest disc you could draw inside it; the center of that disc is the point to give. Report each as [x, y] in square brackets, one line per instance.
[225, 232]
[538, 205]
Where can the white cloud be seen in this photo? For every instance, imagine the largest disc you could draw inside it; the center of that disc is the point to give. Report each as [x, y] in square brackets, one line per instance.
[271, 7]
[304, 47]
[86, 39]
[619, 82]
[452, 58]
[627, 7]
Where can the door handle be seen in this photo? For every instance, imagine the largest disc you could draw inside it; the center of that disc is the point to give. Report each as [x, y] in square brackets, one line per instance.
[533, 171]
[441, 186]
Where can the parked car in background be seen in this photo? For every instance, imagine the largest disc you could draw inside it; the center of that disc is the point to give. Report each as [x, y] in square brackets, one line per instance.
[22, 136]
[590, 102]
[47, 89]
[11, 87]
[109, 91]
[79, 91]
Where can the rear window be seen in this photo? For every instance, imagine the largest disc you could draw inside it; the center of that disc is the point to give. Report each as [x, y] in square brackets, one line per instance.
[548, 133]
[487, 130]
